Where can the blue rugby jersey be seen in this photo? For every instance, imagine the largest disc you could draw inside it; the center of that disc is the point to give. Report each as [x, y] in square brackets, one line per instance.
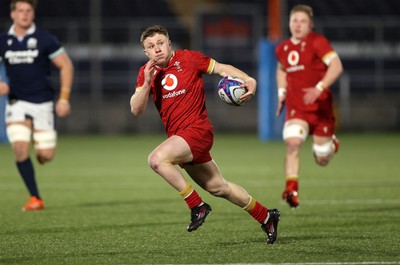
[28, 63]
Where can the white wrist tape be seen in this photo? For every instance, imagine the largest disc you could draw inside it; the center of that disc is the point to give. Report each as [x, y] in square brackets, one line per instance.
[281, 92]
[320, 86]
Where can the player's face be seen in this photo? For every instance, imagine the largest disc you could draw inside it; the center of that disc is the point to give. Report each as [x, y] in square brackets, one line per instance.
[300, 25]
[158, 48]
[23, 15]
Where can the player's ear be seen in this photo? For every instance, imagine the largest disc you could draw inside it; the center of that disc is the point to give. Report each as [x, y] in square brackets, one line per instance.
[146, 53]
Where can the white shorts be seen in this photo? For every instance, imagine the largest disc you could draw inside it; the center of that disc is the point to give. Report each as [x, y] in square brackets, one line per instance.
[42, 114]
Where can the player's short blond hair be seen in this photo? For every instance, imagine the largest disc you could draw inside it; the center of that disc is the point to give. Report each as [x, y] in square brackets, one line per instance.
[33, 3]
[303, 8]
[151, 31]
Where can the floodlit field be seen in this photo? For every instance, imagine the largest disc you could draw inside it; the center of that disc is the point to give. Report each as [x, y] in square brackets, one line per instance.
[104, 205]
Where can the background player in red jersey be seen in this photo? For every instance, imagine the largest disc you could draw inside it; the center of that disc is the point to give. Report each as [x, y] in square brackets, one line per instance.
[307, 66]
[174, 79]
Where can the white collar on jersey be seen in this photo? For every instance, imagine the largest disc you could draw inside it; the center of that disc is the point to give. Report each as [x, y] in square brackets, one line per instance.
[295, 41]
[31, 30]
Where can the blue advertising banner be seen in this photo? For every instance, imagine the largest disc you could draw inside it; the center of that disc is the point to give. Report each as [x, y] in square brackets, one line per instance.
[3, 135]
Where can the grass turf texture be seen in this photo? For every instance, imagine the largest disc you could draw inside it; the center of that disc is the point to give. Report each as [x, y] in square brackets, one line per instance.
[104, 205]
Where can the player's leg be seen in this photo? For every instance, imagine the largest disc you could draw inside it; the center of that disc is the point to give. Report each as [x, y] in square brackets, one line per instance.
[208, 176]
[324, 148]
[325, 143]
[295, 132]
[163, 161]
[44, 135]
[19, 131]
[41, 120]
[45, 145]
[164, 158]
[19, 135]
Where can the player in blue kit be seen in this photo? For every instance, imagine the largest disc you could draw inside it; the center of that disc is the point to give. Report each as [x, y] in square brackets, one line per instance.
[28, 53]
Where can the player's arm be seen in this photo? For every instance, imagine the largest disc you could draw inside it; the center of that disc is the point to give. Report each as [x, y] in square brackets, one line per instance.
[282, 85]
[228, 70]
[139, 100]
[66, 68]
[334, 70]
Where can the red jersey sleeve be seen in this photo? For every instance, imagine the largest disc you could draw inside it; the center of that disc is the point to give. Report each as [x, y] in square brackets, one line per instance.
[203, 63]
[140, 78]
[323, 48]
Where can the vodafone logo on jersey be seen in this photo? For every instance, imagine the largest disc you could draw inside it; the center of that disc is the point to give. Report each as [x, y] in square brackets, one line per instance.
[169, 82]
[293, 58]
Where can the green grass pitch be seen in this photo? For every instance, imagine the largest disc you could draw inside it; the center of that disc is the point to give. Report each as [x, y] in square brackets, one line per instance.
[104, 205]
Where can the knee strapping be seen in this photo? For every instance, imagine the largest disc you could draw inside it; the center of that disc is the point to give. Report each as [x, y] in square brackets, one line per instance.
[323, 150]
[45, 139]
[18, 132]
[294, 130]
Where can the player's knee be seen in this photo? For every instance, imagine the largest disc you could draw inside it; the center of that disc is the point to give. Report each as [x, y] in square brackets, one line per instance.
[44, 159]
[322, 161]
[154, 161]
[44, 156]
[323, 152]
[21, 151]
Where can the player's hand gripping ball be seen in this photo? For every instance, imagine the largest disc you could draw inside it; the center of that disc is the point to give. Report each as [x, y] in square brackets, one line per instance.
[230, 90]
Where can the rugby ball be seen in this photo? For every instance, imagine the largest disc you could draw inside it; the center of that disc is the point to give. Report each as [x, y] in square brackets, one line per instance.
[229, 90]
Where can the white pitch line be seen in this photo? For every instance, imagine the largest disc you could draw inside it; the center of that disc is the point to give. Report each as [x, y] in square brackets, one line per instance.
[352, 202]
[311, 263]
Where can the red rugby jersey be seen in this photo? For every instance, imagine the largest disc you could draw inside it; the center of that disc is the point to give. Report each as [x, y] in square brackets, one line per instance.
[178, 89]
[305, 64]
